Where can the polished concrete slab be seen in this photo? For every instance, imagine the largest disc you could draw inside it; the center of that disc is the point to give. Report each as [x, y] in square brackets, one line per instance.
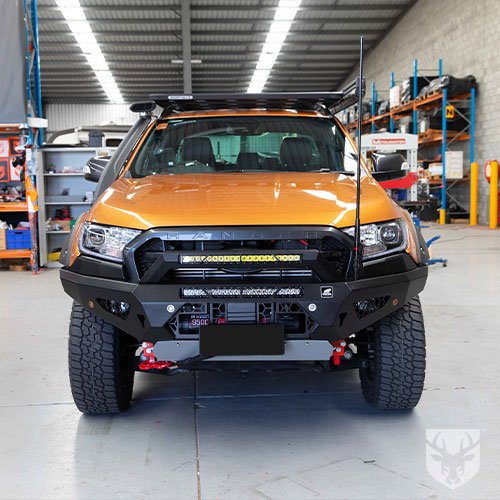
[281, 435]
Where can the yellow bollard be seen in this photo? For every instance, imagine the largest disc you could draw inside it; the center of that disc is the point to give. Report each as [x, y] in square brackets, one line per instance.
[494, 195]
[442, 216]
[474, 174]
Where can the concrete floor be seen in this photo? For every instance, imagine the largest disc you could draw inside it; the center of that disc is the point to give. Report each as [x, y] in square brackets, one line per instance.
[226, 436]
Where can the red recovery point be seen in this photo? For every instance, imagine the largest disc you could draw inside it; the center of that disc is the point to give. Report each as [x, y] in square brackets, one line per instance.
[150, 362]
[340, 350]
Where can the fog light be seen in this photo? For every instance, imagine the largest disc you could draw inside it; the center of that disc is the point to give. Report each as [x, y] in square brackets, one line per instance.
[115, 307]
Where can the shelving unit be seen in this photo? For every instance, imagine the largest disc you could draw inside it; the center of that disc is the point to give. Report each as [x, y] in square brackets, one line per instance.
[16, 206]
[13, 212]
[438, 100]
[52, 181]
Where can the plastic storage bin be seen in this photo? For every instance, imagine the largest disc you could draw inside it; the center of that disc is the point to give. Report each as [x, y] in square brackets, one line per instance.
[18, 239]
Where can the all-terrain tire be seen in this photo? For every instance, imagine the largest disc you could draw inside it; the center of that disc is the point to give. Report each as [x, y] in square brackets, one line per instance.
[100, 369]
[395, 378]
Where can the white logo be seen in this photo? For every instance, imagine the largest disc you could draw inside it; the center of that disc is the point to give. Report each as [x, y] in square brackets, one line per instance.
[452, 455]
[326, 292]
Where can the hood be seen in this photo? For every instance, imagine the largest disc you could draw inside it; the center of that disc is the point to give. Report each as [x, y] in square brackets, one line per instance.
[241, 199]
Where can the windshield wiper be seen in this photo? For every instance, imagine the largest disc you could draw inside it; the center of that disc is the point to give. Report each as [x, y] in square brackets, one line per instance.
[242, 170]
[329, 170]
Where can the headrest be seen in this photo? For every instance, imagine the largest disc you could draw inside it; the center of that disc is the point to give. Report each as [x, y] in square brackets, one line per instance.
[199, 149]
[248, 161]
[296, 152]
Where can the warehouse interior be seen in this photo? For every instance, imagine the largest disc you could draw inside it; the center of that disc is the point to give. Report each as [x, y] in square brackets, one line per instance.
[428, 94]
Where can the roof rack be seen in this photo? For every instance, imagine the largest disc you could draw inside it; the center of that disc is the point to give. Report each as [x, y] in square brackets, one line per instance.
[329, 102]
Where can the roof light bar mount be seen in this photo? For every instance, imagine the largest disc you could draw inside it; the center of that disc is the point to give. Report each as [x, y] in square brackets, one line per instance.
[327, 102]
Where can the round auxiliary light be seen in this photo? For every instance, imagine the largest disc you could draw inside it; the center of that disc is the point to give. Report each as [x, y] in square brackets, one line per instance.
[390, 233]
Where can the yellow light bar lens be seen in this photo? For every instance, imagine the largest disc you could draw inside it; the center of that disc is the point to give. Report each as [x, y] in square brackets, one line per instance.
[239, 259]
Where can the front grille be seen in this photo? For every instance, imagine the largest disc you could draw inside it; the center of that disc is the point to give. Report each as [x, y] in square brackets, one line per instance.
[207, 273]
[189, 319]
[146, 255]
[333, 258]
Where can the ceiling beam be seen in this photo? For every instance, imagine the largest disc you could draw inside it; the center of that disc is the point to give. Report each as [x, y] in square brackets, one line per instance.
[154, 21]
[198, 46]
[254, 54]
[126, 31]
[346, 7]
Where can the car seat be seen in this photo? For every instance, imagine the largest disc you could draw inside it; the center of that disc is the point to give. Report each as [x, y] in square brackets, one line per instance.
[198, 149]
[248, 161]
[296, 153]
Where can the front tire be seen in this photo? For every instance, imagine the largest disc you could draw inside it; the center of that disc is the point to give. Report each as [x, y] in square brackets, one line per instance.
[394, 378]
[100, 359]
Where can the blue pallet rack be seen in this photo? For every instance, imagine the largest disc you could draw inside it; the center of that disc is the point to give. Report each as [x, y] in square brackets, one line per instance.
[467, 133]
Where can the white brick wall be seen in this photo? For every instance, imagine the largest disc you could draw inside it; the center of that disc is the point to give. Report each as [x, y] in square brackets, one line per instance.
[466, 35]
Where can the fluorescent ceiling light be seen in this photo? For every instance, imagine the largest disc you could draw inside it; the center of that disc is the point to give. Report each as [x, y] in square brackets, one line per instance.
[90, 48]
[268, 56]
[67, 3]
[280, 26]
[84, 38]
[73, 14]
[283, 17]
[80, 27]
[276, 38]
[104, 76]
[255, 89]
[260, 75]
[180, 61]
[97, 62]
[77, 22]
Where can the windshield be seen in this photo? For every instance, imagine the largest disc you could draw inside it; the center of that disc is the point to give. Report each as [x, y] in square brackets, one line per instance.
[236, 144]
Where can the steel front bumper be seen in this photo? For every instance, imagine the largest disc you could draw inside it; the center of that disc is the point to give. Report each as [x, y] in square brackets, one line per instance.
[151, 306]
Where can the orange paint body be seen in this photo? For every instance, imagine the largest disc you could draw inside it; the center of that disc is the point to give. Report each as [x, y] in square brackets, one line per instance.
[241, 199]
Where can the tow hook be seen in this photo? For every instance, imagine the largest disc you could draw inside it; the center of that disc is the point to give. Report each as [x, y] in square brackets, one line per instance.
[340, 350]
[149, 361]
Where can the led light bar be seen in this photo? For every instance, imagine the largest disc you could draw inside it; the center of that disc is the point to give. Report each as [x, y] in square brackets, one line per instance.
[241, 292]
[82, 31]
[283, 18]
[290, 292]
[239, 258]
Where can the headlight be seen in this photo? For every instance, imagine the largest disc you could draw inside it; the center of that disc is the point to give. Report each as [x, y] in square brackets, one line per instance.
[105, 241]
[381, 239]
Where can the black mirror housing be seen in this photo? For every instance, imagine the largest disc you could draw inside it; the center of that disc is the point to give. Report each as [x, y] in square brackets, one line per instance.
[94, 168]
[388, 167]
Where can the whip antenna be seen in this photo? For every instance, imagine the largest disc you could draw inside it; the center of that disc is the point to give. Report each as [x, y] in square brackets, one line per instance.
[358, 256]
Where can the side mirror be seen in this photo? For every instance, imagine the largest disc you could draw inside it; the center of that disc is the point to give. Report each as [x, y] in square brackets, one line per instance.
[389, 167]
[94, 168]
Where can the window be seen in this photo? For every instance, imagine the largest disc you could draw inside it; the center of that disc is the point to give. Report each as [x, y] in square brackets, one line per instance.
[235, 143]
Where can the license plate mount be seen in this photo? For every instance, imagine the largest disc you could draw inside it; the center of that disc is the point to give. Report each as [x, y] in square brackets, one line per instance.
[242, 340]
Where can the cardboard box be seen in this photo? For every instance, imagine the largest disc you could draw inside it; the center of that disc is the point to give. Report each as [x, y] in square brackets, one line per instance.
[64, 223]
[435, 169]
[454, 164]
[3, 240]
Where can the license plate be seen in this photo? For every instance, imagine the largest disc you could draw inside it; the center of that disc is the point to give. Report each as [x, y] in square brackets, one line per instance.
[242, 340]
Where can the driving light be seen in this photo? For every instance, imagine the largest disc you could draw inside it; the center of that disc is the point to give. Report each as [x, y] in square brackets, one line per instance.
[381, 239]
[105, 241]
[239, 258]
